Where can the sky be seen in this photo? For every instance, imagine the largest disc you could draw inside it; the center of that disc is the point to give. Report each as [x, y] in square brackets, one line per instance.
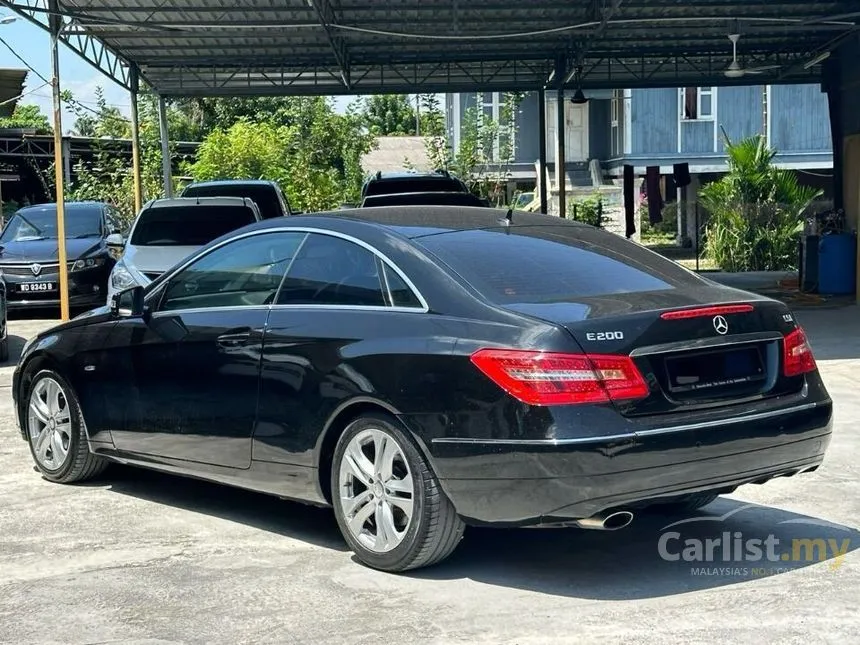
[33, 44]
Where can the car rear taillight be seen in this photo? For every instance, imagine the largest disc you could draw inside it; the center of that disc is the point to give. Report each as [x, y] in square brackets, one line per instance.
[709, 312]
[797, 355]
[542, 378]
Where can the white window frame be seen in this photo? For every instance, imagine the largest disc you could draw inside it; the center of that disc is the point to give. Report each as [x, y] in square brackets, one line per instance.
[617, 122]
[700, 91]
[496, 104]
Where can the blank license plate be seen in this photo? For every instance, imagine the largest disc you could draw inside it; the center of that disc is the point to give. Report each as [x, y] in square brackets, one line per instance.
[36, 287]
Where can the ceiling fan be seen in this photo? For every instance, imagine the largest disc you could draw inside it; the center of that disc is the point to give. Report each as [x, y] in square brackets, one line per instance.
[734, 70]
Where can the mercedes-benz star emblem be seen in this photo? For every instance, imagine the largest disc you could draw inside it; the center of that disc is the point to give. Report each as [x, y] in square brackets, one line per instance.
[721, 325]
[36, 268]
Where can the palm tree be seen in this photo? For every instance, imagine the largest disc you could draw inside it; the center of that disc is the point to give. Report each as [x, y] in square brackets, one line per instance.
[756, 210]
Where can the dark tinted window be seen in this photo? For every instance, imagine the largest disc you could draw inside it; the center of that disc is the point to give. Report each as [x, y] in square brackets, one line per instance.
[401, 294]
[188, 225]
[416, 185]
[423, 199]
[553, 263]
[265, 197]
[329, 270]
[40, 223]
[247, 271]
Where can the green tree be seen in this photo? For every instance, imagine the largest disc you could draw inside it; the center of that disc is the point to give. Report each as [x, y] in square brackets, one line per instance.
[756, 210]
[108, 176]
[103, 121]
[388, 115]
[486, 148]
[27, 117]
[312, 152]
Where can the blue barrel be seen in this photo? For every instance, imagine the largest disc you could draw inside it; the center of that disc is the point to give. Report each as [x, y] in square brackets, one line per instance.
[837, 264]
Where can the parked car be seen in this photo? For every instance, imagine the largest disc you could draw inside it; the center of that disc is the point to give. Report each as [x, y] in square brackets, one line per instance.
[29, 260]
[268, 196]
[168, 230]
[4, 332]
[389, 183]
[434, 198]
[423, 368]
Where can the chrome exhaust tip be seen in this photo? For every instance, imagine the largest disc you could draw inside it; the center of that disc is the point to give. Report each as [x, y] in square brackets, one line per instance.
[606, 521]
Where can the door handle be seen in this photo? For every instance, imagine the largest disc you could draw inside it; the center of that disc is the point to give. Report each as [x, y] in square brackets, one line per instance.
[234, 338]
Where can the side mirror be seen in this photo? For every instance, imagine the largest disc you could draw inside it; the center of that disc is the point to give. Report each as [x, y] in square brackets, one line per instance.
[128, 303]
[115, 244]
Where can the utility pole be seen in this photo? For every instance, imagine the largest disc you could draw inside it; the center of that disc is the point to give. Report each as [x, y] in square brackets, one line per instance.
[55, 23]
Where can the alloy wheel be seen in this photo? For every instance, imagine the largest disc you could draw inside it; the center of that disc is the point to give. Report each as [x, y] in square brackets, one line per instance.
[49, 423]
[376, 491]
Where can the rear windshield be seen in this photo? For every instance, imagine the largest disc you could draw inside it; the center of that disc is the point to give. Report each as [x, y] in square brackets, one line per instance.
[417, 185]
[188, 226]
[264, 196]
[553, 263]
[423, 199]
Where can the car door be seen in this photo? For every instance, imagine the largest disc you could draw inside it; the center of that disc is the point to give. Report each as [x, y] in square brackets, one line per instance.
[338, 300]
[191, 368]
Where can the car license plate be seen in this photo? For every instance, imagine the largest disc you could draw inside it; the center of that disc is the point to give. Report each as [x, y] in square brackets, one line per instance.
[37, 287]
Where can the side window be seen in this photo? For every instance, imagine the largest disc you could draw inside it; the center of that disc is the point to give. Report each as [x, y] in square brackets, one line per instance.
[111, 220]
[332, 271]
[399, 292]
[244, 272]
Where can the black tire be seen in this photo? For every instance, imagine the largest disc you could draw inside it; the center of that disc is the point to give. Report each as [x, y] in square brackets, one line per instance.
[686, 504]
[435, 528]
[79, 464]
[4, 350]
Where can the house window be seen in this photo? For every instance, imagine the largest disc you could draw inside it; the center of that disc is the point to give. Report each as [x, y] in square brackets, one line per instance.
[697, 103]
[491, 105]
[616, 106]
[617, 121]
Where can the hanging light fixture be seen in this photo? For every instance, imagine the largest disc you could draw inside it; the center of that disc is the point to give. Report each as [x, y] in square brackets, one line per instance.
[579, 97]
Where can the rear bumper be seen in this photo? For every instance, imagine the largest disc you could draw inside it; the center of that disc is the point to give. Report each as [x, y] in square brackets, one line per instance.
[530, 482]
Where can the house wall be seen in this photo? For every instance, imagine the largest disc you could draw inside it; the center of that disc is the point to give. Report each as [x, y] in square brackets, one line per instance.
[654, 120]
[800, 120]
[528, 137]
[599, 129]
[740, 112]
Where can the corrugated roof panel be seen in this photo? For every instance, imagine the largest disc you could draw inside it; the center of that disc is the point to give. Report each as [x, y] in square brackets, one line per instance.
[417, 45]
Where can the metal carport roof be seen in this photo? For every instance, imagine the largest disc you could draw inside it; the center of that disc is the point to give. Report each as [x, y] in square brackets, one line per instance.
[256, 47]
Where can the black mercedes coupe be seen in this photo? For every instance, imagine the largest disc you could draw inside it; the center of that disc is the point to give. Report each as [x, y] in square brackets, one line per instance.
[424, 368]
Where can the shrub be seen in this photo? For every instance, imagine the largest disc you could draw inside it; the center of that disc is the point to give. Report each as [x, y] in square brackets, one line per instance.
[588, 211]
[755, 211]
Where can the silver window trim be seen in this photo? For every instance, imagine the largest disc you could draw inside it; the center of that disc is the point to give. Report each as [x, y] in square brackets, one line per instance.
[425, 308]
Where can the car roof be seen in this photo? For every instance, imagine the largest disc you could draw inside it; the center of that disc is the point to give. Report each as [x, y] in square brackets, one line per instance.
[464, 199]
[394, 175]
[232, 182]
[173, 202]
[418, 221]
[68, 205]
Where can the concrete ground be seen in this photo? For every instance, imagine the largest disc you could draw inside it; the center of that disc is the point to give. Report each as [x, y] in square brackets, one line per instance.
[138, 557]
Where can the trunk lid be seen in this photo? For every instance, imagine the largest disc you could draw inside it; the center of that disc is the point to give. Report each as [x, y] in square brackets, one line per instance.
[723, 355]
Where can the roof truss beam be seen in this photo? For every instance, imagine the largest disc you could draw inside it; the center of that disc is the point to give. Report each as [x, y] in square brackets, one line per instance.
[94, 51]
[325, 13]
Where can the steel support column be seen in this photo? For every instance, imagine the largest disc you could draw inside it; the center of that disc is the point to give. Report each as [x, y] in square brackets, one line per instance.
[542, 183]
[165, 147]
[55, 25]
[560, 113]
[135, 140]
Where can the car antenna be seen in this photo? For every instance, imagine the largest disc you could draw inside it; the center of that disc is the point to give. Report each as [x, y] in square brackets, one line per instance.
[509, 218]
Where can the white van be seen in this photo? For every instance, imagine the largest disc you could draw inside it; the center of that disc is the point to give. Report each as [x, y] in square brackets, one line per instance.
[167, 231]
